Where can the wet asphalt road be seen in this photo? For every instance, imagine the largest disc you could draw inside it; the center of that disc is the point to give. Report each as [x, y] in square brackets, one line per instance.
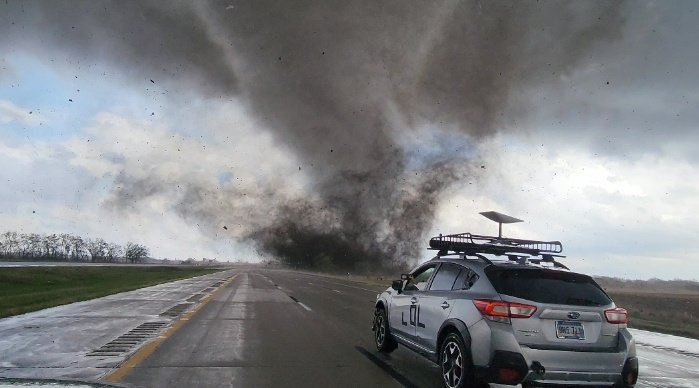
[283, 329]
[287, 329]
[261, 328]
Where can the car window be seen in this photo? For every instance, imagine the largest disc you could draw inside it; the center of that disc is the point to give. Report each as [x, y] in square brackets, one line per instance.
[467, 278]
[548, 286]
[445, 277]
[418, 281]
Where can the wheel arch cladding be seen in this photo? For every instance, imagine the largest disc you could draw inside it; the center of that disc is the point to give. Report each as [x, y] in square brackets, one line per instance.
[454, 325]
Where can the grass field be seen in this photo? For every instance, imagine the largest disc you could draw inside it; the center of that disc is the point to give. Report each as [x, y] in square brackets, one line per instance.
[661, 312]
[34, 288]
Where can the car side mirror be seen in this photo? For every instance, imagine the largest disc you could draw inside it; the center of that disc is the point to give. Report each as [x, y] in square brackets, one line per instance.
[397, 285]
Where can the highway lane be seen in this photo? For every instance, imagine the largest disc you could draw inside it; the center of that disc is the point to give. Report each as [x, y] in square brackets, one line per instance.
[286, 328]
[349, 307]
[344, 309]
[254, 334]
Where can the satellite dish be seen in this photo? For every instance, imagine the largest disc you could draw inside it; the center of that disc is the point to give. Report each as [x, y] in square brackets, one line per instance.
[500, 219]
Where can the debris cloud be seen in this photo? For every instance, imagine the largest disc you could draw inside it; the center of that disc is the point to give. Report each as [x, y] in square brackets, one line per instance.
[345, 86]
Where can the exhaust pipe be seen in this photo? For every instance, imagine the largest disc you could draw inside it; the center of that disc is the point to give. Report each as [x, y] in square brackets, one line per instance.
[538, 369]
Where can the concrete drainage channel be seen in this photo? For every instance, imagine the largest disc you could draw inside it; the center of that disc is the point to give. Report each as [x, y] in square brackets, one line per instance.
[176, 310]
[137, 336]
[127, 342]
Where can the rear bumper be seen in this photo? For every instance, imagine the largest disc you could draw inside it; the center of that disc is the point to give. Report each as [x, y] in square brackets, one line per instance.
[511, 368]
[626, 378]
[586, 368]
[592, 367]
[497, 355]
[505, 368]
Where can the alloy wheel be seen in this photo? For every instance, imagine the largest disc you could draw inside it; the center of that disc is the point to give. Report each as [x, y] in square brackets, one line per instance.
[452, 364]
[380, 330]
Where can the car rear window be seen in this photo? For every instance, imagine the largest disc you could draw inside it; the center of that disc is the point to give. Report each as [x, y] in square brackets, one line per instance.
[547, 286]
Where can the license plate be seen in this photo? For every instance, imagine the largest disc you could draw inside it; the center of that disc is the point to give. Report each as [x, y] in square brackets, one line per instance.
[570, 330]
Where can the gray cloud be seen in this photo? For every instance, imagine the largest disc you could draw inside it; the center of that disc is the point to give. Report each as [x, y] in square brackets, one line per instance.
[633, 96]
[151, 40]
[340, 83]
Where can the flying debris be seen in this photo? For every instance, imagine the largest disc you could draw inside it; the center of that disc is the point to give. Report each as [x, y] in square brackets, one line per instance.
[354, 116]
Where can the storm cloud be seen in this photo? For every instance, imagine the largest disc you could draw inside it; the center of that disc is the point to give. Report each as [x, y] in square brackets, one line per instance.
[350, 88]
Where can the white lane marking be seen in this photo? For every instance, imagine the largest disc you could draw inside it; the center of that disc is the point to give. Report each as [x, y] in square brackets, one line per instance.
[304, 306]
[322, 279]
[346, 285]
[339, 292]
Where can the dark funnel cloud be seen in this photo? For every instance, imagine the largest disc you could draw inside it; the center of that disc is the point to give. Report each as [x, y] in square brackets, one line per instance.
[353, 89]
[146, 40]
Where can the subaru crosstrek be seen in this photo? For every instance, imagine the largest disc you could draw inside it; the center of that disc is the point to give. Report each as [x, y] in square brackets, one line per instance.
[524, 319]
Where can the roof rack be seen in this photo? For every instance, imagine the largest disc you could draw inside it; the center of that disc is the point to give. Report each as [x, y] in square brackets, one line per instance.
[473, 243]
[476, 245]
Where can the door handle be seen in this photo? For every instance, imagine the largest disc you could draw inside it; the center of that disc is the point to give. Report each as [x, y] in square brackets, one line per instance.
[413, 300]
[444, 305]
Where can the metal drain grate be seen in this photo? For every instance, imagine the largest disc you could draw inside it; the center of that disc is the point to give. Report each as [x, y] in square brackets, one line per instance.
[176, 310]
[195, 298]
[217, 284]
[128, 341]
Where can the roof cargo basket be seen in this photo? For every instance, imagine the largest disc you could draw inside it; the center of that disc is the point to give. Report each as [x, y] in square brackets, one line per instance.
[468, 243]
[473, 243]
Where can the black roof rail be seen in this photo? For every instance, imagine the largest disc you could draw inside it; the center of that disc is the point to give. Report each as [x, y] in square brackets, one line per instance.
[550, 259]
[468, 243]
[463, 256]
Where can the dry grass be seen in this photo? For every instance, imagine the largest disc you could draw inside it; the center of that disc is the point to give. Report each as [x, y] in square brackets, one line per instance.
[668, 313]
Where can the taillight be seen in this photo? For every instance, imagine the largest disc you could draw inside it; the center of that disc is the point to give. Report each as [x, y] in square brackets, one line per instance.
[506, 375]
[617, 315]
[499, 311]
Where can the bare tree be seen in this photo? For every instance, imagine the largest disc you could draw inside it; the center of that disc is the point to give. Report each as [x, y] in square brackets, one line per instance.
[78, 251]
[65, 243]
[134, 253]
[31, 245]
[65, 246]
[97, 248]
[10, 243]
[113, 253]
[51, 244]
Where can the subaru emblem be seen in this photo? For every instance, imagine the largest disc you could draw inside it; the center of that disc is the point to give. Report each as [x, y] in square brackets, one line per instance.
[573, 315]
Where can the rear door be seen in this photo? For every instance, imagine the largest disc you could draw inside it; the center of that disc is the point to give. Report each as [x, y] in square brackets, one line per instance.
[435, 304]
[570, 309]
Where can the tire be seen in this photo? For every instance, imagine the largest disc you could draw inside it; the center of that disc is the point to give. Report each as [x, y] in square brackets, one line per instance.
[382, 333]
[455, 363]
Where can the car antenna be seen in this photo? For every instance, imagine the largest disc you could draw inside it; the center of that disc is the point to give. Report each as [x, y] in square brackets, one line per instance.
[500, 219]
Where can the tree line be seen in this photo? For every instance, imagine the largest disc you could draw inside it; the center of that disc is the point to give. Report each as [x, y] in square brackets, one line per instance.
[67, 247]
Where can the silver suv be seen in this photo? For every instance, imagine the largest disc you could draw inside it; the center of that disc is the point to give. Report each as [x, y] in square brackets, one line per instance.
[522, 320]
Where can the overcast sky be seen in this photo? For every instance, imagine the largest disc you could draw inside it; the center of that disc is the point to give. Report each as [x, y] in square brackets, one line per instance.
[162, 123]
